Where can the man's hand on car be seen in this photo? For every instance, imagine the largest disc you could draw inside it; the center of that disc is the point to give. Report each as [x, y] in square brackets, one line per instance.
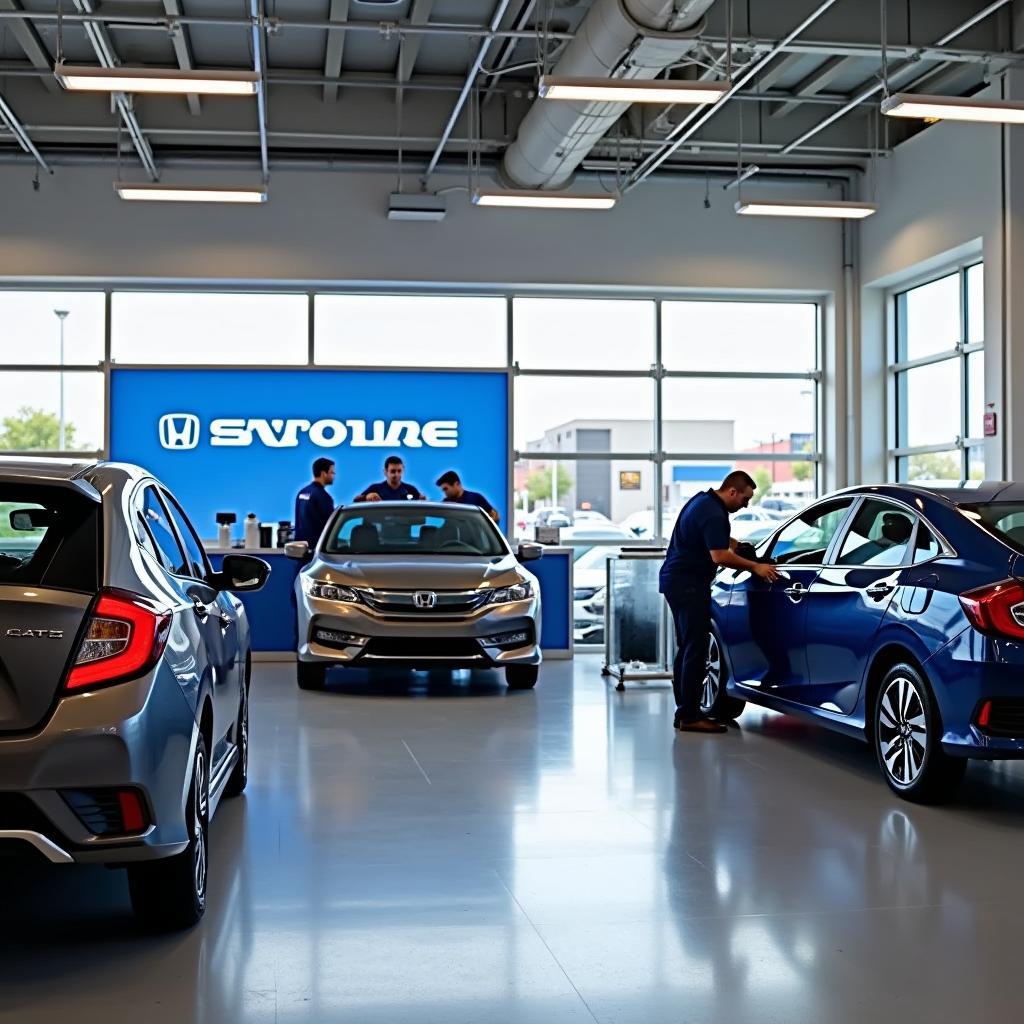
[373, 496]
[767, 572]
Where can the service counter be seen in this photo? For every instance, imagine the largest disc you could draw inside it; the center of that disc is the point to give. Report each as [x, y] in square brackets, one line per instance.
[272, 611]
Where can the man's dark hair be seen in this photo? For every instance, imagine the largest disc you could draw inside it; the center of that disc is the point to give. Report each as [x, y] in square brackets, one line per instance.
[392, 460]
[739, 480]
[449, 478]
[321, 466]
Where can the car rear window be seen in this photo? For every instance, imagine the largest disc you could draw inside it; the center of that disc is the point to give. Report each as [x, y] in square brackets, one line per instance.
[49, 537]
[1005, 519]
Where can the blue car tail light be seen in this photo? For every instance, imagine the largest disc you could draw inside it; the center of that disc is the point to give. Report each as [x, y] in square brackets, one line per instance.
[996, 609]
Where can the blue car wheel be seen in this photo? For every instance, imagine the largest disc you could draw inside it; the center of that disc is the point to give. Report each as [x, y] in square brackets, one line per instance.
[714, 700]
[908, 739]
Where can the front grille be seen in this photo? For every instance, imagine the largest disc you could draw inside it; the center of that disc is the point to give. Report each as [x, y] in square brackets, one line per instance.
[1006, 718]
[433, 648]
[446, 602]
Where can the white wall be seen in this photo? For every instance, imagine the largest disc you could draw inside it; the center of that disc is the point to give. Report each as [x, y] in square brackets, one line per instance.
[940, 200]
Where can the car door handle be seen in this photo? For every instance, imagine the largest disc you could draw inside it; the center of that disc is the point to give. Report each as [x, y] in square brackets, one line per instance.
[202, 610]
[879, 590]
[225, 621]
[797, 590]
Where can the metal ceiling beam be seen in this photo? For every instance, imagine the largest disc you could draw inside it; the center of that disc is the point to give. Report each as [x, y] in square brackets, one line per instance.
[780, 70]
[104, 49]
[474, 70]
[897, 75]
[377, 27]
[17, 129]
[409, 46]
[686, 128]
[507, 50]
[28, 39]
[335, 53]
[817, 81]
[182, 49]
[866, 51]
[259, 66]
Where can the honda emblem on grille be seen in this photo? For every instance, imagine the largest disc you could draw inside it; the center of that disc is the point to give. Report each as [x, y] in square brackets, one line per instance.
[424, 599]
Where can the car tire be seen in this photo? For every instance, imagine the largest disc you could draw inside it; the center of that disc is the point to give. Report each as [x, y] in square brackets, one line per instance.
[240, 773]
[170, 894]
[907, 732]
[521, 677]
[715, 702]
[311, 675]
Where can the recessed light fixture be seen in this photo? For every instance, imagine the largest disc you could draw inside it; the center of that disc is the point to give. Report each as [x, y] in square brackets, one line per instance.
[829, 208]
[631, 90]
[541, 200]
[156, 80]
[953, 108]
[154, 192]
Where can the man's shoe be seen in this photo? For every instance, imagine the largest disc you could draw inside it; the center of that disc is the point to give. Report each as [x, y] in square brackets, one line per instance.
[700, 725]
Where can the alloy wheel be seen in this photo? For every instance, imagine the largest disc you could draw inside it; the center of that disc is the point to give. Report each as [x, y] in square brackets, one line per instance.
[201, 807]
[712, 676]
[902, 731]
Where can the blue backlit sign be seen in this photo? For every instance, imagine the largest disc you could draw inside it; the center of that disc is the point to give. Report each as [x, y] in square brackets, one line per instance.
[237, 440]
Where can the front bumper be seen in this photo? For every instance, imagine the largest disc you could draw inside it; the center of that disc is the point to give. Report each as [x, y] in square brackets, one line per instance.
[136, 735]
[421, 641]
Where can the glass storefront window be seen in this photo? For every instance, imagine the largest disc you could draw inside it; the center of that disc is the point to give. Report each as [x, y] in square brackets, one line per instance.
[30, 411]
[30, 329]
[929, 319]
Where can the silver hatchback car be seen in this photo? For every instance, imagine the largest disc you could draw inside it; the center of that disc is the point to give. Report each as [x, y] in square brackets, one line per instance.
[420, 585]
[124, 675]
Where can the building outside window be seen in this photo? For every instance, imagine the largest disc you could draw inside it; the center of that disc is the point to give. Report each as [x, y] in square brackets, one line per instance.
[938, 380]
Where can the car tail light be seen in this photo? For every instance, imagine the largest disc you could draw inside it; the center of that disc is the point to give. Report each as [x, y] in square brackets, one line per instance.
[125, 637]
[996, 609]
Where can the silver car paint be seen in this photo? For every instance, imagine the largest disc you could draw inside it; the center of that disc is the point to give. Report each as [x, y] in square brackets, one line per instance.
[141, 733]
[409, 572]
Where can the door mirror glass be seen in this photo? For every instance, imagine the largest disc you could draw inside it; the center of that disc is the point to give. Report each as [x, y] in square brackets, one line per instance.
[529, 552]
[241, 573]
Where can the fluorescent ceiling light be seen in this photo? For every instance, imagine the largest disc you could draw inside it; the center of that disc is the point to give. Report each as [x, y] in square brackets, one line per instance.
[953, 108]
[157, 193]
[158, 80]
[540, 200]
[835, 209]
[631, 90]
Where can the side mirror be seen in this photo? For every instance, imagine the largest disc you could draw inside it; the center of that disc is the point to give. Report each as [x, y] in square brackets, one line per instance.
[241, 573]
[298, 549]
[529, 552]
[26, 519]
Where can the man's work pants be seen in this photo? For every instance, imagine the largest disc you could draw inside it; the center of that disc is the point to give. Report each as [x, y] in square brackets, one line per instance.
[691, 612]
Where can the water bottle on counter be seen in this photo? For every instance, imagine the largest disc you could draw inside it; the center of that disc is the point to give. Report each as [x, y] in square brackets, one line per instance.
[252, 531]
[225, 520]
[284, 532]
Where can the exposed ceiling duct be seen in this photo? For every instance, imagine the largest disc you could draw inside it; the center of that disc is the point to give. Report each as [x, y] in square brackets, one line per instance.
[632, 39]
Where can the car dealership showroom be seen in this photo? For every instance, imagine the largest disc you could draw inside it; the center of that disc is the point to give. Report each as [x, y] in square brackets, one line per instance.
[508, 511]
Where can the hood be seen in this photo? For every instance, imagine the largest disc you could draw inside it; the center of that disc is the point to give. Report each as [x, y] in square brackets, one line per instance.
[417, 572]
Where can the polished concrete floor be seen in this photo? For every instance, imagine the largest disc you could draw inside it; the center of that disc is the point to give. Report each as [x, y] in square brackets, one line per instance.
[418, 850]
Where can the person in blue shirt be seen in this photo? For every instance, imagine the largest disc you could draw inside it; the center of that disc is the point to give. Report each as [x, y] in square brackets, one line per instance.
[392, 488]
[313, 505]
[454, 491]
[700, 544]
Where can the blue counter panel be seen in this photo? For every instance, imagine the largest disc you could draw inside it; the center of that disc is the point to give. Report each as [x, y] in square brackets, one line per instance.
[271, 610]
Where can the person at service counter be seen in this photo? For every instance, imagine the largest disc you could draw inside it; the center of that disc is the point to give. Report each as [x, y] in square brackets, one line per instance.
[391, 488]
[454, 491]
[700, 544]
[313, 505]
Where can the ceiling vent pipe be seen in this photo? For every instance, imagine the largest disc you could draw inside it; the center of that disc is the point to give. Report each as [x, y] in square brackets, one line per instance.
[634, 39]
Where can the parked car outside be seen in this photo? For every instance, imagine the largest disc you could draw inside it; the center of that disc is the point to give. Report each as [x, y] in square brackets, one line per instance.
[748, 520]
[588, 620]
[784, 506]
[125, 661]
[898, 618]
[424, 585]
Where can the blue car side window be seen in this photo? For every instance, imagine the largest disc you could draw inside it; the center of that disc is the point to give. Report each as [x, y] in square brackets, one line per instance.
[879, 536]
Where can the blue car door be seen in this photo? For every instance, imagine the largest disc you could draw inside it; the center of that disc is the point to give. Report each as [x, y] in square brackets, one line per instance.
[849, 600]
[765, 623]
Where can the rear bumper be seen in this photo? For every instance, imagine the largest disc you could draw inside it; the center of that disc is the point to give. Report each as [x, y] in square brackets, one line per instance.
[138, 734]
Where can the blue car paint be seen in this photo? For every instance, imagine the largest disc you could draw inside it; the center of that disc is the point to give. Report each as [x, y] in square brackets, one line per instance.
[815, 659]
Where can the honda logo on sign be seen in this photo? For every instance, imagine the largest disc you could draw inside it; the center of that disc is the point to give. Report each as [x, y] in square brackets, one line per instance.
[424, 599]
[179, 430]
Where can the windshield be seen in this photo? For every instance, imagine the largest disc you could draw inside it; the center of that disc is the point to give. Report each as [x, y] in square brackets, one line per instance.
[414, 531]
[1003, 518]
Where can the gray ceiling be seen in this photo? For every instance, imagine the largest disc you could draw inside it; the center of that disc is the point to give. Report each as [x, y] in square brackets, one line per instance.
[393, 70]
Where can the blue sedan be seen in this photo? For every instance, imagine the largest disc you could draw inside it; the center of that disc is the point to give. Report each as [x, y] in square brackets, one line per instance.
[898, 618]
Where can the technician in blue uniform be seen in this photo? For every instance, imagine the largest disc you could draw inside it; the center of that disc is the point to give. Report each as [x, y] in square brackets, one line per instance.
[454, 491]
[391, 488]
[313, 505]
[700, 544]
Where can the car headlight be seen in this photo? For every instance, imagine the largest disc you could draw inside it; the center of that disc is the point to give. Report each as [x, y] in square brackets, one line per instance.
[517, 592]
[329, 591]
